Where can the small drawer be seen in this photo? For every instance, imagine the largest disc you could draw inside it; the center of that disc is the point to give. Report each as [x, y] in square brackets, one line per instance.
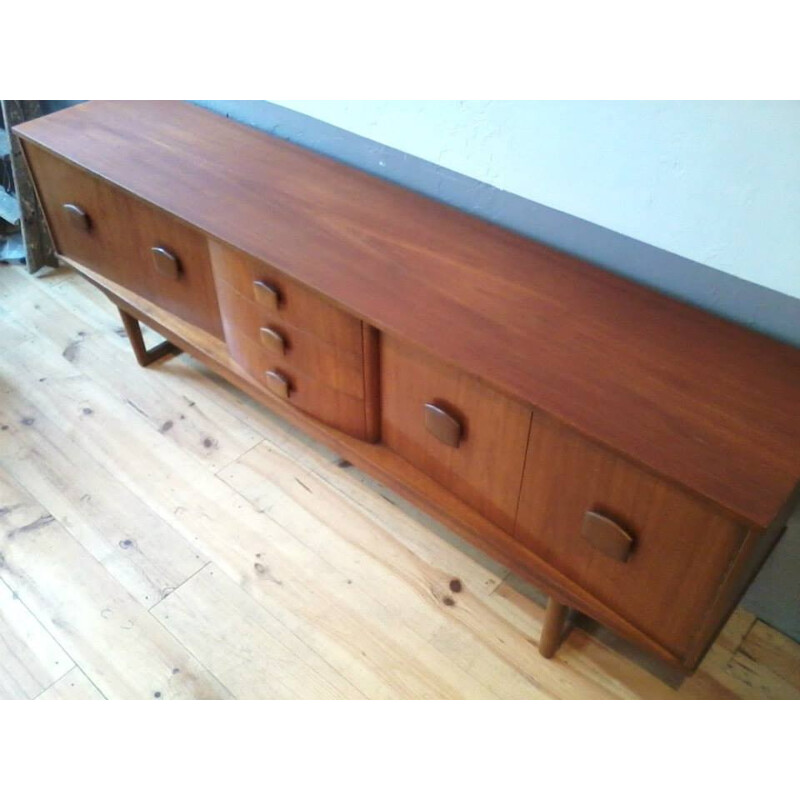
[255, 341]
[646, 548]
[127, 241]
[464, 434]
[337, 409]
[283, 300]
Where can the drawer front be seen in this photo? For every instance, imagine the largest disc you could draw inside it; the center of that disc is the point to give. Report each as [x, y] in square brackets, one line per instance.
[257, 342]
[175, 268]
[283, 300]
[105, 235]
[337, 409]
[462, 433]
[650, 551]
[127, 241]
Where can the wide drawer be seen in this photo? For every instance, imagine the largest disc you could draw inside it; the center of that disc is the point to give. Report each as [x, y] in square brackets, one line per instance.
[257, 342]
[464, 434]
[649, 550]
[124, 239]
[283, 300]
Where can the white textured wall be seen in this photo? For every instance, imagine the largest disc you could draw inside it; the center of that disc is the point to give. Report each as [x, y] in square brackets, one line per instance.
[716, 182]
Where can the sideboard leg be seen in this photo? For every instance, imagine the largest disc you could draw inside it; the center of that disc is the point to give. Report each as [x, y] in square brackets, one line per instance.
[144, 356]
[553, 625]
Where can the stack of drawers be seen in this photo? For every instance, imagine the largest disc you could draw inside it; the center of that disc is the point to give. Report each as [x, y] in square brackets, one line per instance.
[294, 342]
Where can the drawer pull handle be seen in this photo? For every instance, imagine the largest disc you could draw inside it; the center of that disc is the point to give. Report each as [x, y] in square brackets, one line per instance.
[272, 340]
[77, 217]
[278, 384]
[266, 295]
[443, 426]
[606, 536]
[166, 263]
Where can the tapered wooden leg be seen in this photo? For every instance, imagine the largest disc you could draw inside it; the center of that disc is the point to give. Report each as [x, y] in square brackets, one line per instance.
[554, 618]
[144, 356]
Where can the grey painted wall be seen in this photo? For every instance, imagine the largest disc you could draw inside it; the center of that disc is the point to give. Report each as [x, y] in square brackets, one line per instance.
[757, 307]
[775, 595]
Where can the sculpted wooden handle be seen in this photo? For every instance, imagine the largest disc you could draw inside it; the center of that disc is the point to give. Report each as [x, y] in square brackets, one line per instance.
[77, 217]
[278, 384]
[266, 295]
[606, 536]
[166, 263]
[272, 340]
[443, 426]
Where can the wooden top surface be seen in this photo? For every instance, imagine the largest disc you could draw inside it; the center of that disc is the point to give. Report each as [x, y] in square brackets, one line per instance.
[695, 398]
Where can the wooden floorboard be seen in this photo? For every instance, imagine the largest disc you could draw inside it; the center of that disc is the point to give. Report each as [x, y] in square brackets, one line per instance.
[163, 536]
[30, 658]
[73, 686]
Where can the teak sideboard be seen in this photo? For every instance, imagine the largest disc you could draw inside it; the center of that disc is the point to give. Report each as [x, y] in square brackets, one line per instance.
[633, 456]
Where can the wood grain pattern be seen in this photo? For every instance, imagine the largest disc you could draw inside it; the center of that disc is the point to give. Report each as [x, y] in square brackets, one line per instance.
[143, 554]
[286, 303]
[30, 659]
[683, 547]
[243, 320]
[214, 617]
[133, 244]
[752, 554]
[313, 396]
[486, 468]
[62, 584]
[699, 400]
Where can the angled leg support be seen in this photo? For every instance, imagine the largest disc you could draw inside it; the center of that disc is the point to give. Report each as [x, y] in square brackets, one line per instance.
[144, 356]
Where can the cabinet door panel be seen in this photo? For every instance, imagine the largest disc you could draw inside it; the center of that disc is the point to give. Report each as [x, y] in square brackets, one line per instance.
[579, 502]
[127, 241]
[106, 235]
[482, 461]
[181, 283]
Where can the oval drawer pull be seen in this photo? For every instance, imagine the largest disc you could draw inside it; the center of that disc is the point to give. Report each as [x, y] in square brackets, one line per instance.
[77, 217]
[266, 295]
[443, 426]
[277, 383]
[606, 536]
[272, 340]
[166, 263]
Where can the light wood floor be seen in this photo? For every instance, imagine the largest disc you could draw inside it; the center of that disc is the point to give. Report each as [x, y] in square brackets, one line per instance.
[163, 537]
